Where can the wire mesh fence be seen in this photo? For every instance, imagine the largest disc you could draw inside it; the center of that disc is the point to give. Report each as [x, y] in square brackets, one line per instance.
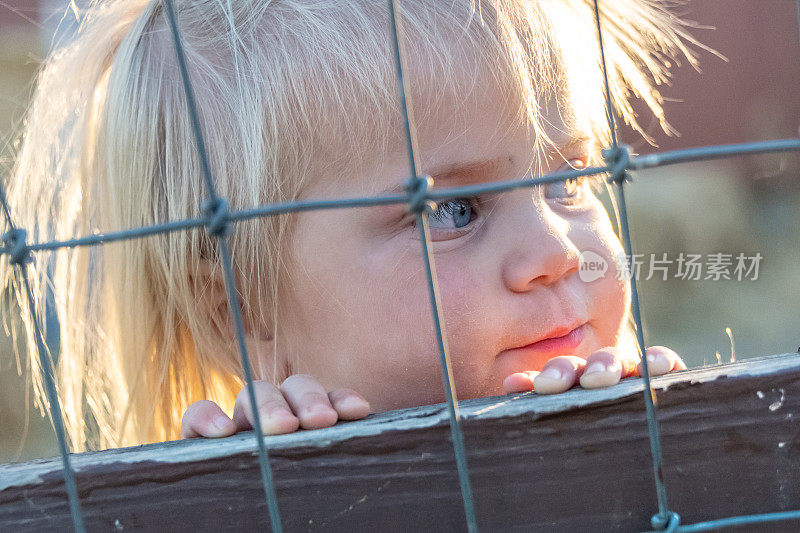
[217, 219]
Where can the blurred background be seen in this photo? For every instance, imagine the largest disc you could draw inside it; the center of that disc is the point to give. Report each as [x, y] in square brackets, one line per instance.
[744, 205]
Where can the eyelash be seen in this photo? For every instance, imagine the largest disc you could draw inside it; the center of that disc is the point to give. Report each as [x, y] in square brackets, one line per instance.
[475, 204]
[577, 196]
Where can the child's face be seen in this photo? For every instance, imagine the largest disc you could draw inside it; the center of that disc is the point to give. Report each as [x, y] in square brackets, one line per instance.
[507, 267]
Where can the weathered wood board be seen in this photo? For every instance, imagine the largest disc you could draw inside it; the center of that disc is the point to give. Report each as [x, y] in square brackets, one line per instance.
[571, 462]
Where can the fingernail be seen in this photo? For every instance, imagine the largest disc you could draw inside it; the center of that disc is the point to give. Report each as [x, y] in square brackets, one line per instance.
[596, 367]
[353, 402]
[316, 409]
[279, 412]
[651, 358]
[222, 423]
[551, 373]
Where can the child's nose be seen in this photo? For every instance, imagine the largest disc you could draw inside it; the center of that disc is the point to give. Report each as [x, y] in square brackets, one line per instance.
[540, 251]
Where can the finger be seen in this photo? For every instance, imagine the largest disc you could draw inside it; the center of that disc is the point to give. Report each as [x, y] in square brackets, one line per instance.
[661, 360]
[275, 415]
[309, 401]
[606, 366]
[519, 381]
[206, 419]
[349, 404]
[558, 374]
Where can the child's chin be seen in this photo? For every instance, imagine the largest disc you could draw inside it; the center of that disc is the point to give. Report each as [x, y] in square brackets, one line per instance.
[518, 360]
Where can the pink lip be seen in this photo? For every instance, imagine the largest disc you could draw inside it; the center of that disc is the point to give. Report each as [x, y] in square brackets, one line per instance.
[556, 345]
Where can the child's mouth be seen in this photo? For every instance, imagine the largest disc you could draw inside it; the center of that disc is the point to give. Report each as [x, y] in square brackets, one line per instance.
[553, 346]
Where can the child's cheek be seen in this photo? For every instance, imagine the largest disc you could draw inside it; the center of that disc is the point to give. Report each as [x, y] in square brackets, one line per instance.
[611, 293]
[611, 303]
[395, 308]
[468, 323]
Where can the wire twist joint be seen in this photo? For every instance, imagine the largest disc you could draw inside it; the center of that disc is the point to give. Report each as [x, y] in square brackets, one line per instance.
[668, 521]
[217, 216]
[417, 189]
[618, 159]
[15, 246]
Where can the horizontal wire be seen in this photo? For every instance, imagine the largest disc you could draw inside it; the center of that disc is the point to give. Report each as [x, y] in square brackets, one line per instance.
[635, 163]
[735, 521]
[115, 236]
[642, 162]
[707, 153]
[280, 208]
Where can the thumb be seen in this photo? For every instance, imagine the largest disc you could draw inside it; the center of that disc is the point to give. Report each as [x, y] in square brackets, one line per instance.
[206, 419]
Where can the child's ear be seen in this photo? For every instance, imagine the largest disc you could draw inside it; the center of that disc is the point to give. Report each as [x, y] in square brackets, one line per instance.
[207, 282]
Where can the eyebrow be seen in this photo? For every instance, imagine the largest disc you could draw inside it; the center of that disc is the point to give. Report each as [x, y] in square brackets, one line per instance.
[473, 172]
[470, 173]
[482, 171]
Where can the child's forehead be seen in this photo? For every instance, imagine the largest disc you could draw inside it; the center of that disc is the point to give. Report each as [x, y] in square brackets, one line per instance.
[464, 90]
[476, 124]
[465, 137]
[498, 162]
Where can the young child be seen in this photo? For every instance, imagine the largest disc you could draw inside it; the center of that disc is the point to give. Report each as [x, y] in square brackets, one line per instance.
[298, 99]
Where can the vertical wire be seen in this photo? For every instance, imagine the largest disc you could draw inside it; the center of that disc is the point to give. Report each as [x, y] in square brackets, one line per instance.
[650, 408]
[55, 410]
[606, 86]
[48, 373]
[191, 103]
[663, 517]
[433, 289]
[218, 229]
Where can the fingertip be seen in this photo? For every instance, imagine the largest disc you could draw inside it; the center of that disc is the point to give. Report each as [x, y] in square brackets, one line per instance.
[220, 426]
[518, 382]
[278, 422]
[318, 416]
[551, 380]
[674, 360]
[353, 408]
[349, 404]
[206, 419]
[598, 375]
[659, 360]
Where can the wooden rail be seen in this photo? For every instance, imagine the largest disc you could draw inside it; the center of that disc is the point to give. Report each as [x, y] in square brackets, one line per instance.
[570, 462]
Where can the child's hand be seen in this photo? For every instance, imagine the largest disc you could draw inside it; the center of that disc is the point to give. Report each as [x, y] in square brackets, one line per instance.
[603, 368]
[300, 402]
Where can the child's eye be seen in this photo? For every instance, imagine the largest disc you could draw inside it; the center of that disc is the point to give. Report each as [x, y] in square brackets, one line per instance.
[453, 214]
[567, 191]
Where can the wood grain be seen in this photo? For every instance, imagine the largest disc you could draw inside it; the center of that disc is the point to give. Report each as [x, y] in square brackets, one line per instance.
[577, 461]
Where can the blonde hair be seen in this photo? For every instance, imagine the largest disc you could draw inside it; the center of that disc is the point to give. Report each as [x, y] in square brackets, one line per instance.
[107, 146]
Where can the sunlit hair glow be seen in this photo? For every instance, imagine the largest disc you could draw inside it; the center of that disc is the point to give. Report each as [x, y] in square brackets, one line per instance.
[107, 146]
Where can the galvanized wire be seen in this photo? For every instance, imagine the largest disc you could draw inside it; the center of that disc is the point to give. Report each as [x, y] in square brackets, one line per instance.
[217, 224]
[418, 187]
[19, 256]
[635, 163]
[619, 156]
[606, 86]
[217, 219]
[732, 521]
